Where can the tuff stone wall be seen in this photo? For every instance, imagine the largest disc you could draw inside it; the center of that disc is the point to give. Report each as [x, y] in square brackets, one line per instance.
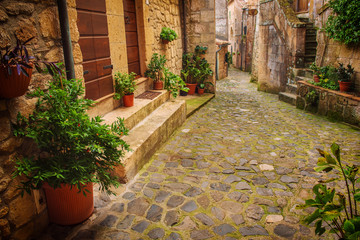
[223, 66]
[200, 30]
[221, 19]
[21, 217]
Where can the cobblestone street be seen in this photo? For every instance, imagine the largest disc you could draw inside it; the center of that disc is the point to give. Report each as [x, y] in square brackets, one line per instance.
[236, 169]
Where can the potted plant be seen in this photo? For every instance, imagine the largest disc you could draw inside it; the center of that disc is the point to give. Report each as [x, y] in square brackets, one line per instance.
[174, 83]
[190, 72]
[155, 70]
[168, 35]
[205, 73]
[316, 71]
[344, 76]
[125, 86]
[200, 51]
[75, 151]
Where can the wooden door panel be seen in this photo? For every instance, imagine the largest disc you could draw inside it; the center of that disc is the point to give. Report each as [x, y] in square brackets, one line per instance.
[130, 22]
[99, 25]
[106, 84]
[129, 5]
[87, 48]
[102, 49]
[131, 39]
[133, 54]
[84, 22]
[90, 71]
[103, 67]
[92, 90]
[91, 5]
[134, 67]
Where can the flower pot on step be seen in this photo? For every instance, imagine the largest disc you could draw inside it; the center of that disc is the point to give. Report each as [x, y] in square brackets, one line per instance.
[158, 85]
[316, 78]
[344, 86]
[201, 91]
[128, 100]
[192, 88]
[67, 206]
[14, 85]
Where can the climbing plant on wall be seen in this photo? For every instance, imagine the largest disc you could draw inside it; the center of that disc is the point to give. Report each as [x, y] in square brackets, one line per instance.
[343, 25]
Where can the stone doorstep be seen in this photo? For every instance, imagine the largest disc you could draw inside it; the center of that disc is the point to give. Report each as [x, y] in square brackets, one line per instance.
[149, 135]
[288, 98]
[291, 88]
[141, 109]
[143, 85]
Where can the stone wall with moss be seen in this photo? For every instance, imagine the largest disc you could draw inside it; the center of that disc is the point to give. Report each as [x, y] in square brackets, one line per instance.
[20, 217]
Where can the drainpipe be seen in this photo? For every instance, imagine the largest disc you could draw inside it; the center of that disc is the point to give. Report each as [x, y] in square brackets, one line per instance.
[217, 60]
[66, 39]
[184, 25]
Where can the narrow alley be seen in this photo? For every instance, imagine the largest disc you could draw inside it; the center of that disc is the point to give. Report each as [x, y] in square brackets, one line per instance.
[236, 169]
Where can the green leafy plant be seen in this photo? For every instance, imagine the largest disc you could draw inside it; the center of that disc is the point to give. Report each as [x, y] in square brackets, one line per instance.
[168, 34]
[315, 68]
[125, 84]
[174, 83]
[156, 67]
[228, 58]
[343, 25]
[74, 149]
[200, 50]
[312, 98]
[335, 209]
[328, 78]
[195, 69]
[344, 74]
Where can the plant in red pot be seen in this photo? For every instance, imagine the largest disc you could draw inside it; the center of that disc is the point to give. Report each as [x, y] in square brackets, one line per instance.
[75, 151]
[316, 72]
[155, 70]
[168, 35]
[344, 77]
[125, 86]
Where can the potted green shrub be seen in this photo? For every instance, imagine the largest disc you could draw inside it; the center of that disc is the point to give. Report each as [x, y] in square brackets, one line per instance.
[190, 72]
[316, 72]
[168, 35]
[344, 76]
[155, 70]
[125, 86]
[75, 151]
[200, 51]
[174, 84]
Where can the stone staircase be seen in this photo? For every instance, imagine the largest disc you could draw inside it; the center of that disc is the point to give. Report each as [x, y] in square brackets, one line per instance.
[151, 122]
[301, 74]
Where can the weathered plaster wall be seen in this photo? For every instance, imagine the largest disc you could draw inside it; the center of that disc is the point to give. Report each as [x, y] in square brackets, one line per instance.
[21, 217]
[330, 52]
[200, 29]
[221, 19]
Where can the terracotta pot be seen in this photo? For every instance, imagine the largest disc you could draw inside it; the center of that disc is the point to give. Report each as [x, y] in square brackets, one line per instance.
[344, 86]
[316, 78]
[14, 85]
[128, 100]
[200, 91]
[165, 41]
[66, 206]
[192, 88]
[158, 85]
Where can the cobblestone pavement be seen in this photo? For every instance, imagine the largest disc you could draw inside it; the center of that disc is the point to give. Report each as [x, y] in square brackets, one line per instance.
[235, 170]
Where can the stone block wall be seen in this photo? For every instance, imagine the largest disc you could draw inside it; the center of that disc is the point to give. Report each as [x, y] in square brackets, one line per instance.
[221, 15]
[200, 30]
[330, 52]
[223, 66]
[21, 217]
[334, 104]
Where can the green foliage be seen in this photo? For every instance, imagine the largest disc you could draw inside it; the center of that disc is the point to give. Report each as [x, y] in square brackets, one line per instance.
[125, 84]
[344, 25]
[333, 208]
[156, 67]
[174, 83]
[195, 69]
[228, 58]
[328, 78]
[200, 50]
[315, 68]
[344, 74]
[168, 34]
[312, 98]
[74, 148]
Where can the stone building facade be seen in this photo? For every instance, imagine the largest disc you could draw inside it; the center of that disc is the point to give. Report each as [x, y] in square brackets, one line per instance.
[194, 22]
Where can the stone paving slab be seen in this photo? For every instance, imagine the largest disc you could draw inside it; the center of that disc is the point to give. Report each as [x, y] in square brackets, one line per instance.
[236, 169]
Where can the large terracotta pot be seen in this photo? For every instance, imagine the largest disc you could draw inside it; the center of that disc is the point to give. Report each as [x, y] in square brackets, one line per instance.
[344, 86]
[316, 78]
[158, 85]
[13, 85]
[192, 88]
[66, 206]
[165, 41]
[128, 100]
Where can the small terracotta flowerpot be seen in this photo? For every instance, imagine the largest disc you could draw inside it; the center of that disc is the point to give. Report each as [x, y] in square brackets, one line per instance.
[128, 100]
[316, 78]
[158, 85]
[200, 91]
[13, 85]
[344, 86]
[165, 41]
[192, 88]
[66, 206]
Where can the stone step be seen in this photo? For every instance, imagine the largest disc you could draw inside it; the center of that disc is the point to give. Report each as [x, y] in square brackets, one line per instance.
[309, 44]
[307, 78]
[143, 85]
[303, 72]
[141, 109]
[288, 98]
[148, 136]
[291, 88]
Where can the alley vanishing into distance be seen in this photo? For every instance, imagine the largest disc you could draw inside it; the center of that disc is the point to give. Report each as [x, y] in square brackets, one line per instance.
[236, 169]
